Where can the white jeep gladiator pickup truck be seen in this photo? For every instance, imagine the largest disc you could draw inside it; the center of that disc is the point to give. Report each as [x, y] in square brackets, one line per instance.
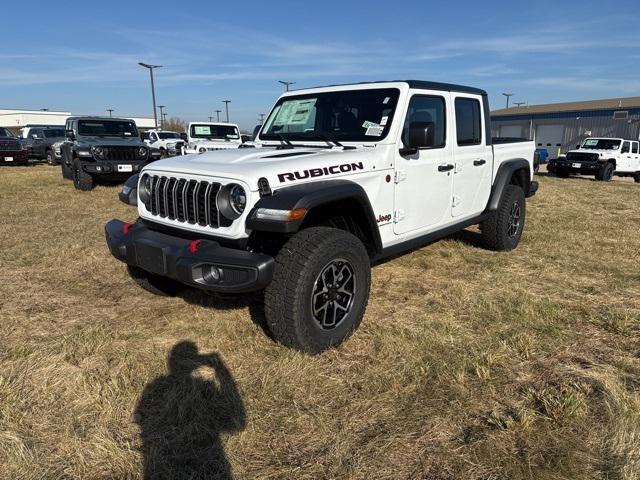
[344, 176]
[206, 136]
[603, 158]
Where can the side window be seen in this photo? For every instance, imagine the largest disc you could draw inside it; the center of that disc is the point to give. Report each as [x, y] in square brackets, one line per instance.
[425, 108]
[468, 121]
[634, 147]
[625, 147]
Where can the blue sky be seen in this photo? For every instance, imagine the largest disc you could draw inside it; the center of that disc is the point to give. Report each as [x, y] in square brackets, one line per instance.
[82, 56]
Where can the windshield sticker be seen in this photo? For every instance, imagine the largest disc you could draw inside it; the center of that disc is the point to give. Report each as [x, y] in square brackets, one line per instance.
[374, 131]
[386, 100]
[202, 130]
[295, 112]
[383, 121]
[368, 124]
[128, 134]
[591, 142]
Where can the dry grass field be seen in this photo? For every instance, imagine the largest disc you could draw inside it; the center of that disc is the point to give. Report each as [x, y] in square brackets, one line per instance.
[469, 364]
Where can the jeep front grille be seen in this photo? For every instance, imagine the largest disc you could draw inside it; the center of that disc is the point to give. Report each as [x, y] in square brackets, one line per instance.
[582, 156]
[128, 154]
[10, 145]
[184, 200]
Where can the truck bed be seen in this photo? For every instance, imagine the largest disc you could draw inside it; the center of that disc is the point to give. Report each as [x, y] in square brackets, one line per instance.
[512, 148]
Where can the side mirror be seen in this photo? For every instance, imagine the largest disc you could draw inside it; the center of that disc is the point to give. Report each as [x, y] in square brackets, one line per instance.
[70, 135]
[421, 136]
[184, 137]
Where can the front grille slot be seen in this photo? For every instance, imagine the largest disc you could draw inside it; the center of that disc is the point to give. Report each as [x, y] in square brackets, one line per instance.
[9, 146]
[127, 154]
[582, 156]
[186, 201]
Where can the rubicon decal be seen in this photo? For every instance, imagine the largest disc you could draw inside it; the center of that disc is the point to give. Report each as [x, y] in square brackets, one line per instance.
[320, 172]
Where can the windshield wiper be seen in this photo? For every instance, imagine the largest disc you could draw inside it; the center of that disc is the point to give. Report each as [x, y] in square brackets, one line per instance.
[284, 140]
[327, 138]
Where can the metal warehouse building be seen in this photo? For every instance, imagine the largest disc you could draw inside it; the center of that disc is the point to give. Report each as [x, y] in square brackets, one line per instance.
[559, 127]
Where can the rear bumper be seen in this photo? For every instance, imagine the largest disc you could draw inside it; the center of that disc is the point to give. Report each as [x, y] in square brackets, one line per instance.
[172, 257]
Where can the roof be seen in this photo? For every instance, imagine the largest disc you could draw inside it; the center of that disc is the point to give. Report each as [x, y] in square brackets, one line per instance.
[445, 87]
[607, 104]
[90, 117]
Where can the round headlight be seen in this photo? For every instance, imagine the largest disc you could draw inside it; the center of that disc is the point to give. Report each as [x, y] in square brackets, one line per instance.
[202, 150]
[232, 200]
[144, 189]
[142, 152]
[99, 151]
[237, 199]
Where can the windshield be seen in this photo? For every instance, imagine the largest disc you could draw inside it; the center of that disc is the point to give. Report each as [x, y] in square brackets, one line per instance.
[601, 144]
[165, 135]
[217, 132]
[351, 115]
[53, 132]
[4, 132]
[107, 128]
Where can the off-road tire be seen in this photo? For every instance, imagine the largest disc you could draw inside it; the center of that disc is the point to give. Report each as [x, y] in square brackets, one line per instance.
[81, 179]
[51, 158]
[156, 284]
[288, 298]
[67, 172]
[636, 177]
[605, 174]
[496, 229]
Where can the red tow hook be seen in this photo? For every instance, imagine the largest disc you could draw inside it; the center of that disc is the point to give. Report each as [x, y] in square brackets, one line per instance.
[126, 227]
[193, 246]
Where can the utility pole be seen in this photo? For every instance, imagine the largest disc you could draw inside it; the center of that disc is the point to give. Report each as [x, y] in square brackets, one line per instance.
[161, 115]
[218, 114]
[164, 117]
[110, 110]
[508, 95]
[519, 104]
[211, 119]
[261, 118]
[226, 107]
[153, 89]
[286, 84]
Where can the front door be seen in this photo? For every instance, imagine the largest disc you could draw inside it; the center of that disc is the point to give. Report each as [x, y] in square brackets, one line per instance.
[624, 165]
[473, 158]
[424, 180]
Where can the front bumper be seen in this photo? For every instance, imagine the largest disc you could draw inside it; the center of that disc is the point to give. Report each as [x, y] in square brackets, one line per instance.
[176, 258]
[113, 167]
[14, 157]
[579, 167]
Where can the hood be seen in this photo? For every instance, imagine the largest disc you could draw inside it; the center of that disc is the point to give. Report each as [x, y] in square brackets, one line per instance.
[593, 150]
[280, 167]
[112, 141]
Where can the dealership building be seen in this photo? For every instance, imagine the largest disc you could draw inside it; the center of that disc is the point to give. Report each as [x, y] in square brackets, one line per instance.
[559, 127]
[15, 120]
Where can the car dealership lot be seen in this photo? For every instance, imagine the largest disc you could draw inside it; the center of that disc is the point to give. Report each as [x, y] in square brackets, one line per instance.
[469, 364]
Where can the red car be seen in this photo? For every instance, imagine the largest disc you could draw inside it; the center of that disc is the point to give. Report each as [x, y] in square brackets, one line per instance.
[11, 150]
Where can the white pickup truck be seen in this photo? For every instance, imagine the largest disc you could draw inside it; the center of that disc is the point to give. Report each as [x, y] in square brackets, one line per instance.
[603, 158]
[169, 143]
[342, 176]
[207, 136]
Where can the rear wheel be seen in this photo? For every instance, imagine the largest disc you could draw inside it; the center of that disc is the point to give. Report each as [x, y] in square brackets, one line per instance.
[503, 229]
[81, 179]
[162, 286]
[320, 289]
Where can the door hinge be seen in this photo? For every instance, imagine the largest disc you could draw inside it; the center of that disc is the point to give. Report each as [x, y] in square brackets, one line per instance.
[398, 216]
[456, 201]
[399, 176]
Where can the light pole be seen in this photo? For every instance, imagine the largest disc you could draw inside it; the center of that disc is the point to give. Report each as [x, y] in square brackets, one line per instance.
[508, 95]
[153, 89]
[218, 114]
[261, 118]
[161, 114]
[286, 84]
[164, 117]
[211, 119]
[519, 104]
[110, 110]
[226, 107]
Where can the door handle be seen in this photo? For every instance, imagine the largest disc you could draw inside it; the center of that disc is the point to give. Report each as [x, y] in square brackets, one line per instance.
[445, 168]
[477, 163]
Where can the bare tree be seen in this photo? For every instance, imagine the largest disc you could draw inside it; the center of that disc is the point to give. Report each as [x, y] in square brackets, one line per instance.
[175, 124]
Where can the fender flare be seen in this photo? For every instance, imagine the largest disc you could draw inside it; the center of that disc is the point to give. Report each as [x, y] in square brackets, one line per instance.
[505, 172]
[310, 196]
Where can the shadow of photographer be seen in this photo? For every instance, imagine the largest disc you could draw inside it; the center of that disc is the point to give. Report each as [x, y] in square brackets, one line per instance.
[182, 415]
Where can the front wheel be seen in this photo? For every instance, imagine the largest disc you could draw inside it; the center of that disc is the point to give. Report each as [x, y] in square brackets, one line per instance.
[81, 179]
[503, 229]
[320, 289]
[605, 174]
[51, 159]
[636, 177]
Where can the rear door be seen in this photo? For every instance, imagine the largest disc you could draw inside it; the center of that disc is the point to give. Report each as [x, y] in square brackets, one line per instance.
[635, 157]
[473, 157]
[424, 180]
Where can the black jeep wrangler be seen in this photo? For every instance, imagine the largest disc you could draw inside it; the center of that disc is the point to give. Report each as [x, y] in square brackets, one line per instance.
[102, 148]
